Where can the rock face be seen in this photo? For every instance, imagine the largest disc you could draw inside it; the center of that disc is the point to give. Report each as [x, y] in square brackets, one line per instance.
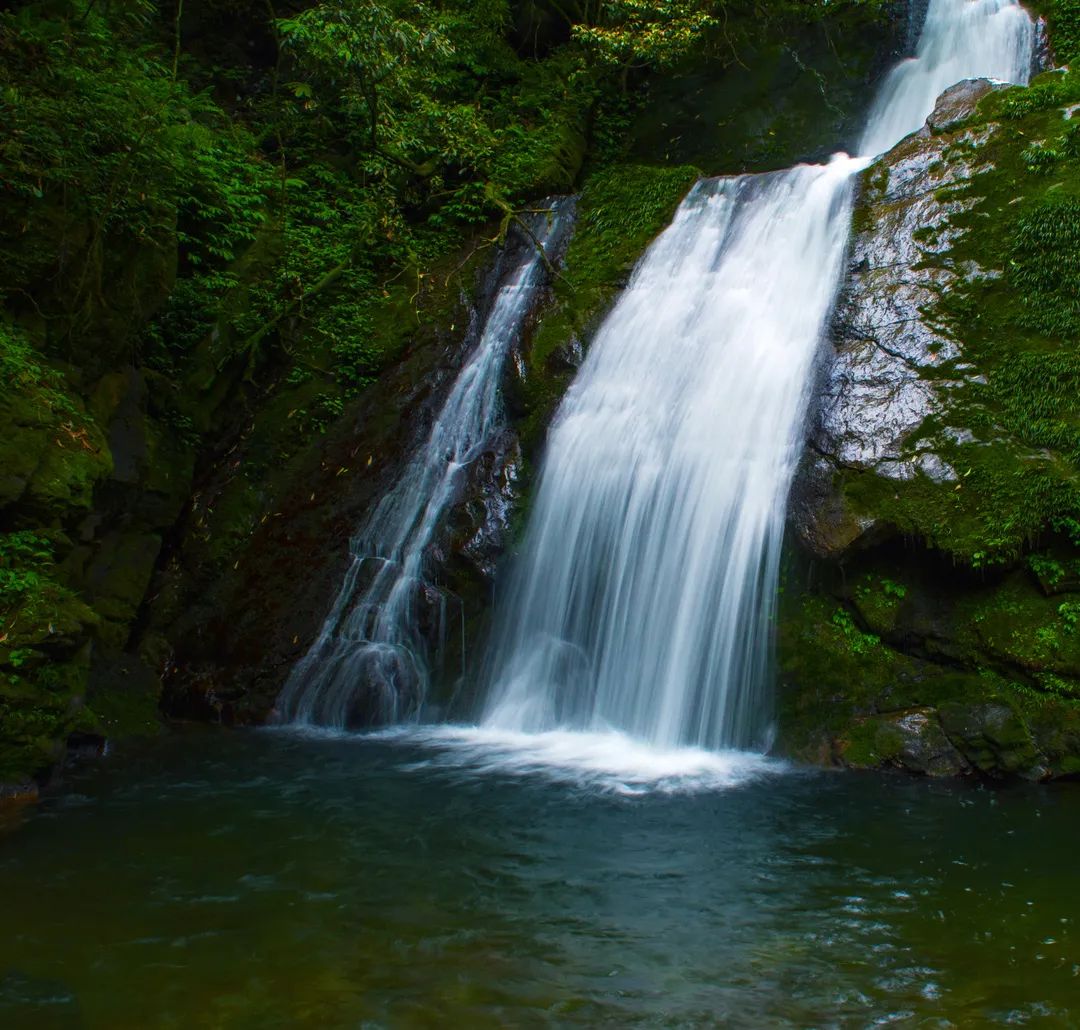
[919, 744]
[104, 479]
[884, 374]
[929, 621]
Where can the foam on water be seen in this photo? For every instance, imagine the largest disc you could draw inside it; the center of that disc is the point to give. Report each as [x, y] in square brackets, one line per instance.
[607, 761]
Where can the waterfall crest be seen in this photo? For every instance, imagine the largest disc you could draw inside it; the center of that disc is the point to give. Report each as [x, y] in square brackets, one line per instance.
[369, 662]
[643, 598]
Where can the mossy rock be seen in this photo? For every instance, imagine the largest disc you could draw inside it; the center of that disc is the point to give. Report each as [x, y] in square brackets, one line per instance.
[938, 692]
[24, 438]
[912, 740]
[994, 738]
[40, 706]
[1007, 411]
[980, 528]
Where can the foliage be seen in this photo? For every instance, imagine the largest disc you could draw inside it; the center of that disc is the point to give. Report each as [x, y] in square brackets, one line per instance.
[1070, 614]
[648, 31]
[96, 134]
[857, 640]
[1064, 19]
[380, 135]
[24, 372]
[226, 219]
[380, 54]
[663, 33]
[1046, 569]
[24, 557]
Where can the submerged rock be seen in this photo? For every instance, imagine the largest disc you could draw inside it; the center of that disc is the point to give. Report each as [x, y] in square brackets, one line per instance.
[13, 794]
[958, 103]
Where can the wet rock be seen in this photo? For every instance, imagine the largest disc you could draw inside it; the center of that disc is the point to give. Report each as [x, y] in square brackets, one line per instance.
[278, 591]
[823, 520]
[1044, 53]
[484, 519]
[85, 745]
[13, 794]
[921, 745]
[890, 367]
[568, 357]
[120, 399]
[994, 739]
[958, 103]
[117, 578]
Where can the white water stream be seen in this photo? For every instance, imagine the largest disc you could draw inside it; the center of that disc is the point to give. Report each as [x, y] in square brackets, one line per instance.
[370, 651]
[642, 602]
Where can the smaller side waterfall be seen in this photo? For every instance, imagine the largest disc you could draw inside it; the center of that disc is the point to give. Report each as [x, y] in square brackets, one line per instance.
[369, 662]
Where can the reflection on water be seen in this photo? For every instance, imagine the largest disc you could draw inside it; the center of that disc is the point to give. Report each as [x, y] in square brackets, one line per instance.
[260, 879]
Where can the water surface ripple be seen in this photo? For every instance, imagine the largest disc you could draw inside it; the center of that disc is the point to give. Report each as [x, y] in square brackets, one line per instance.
[266, 879]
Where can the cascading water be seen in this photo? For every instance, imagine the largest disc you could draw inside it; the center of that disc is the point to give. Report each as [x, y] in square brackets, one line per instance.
[369, 661]
[643, 598]
[961, 39]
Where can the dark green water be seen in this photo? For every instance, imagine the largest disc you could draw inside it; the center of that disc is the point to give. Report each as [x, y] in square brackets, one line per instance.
[254, 880]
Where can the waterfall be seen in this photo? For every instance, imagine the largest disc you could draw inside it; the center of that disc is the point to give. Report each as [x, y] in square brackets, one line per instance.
[369, 662]
[961, 39]
[643, 598]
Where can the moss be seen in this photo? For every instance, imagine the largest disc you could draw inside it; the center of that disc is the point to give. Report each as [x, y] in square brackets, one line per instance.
[622, 208]
[24, 438]
[871, 743]
[833, 675]
[44, 661]
[52, 453]
[1016, 625]
[122, 701]
[878, 600]
[1015, 232]
[77, 459]
[995, 662]
[994, 737]
[1019, 330]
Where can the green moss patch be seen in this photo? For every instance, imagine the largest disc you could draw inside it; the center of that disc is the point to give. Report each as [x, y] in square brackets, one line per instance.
[622, 209]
